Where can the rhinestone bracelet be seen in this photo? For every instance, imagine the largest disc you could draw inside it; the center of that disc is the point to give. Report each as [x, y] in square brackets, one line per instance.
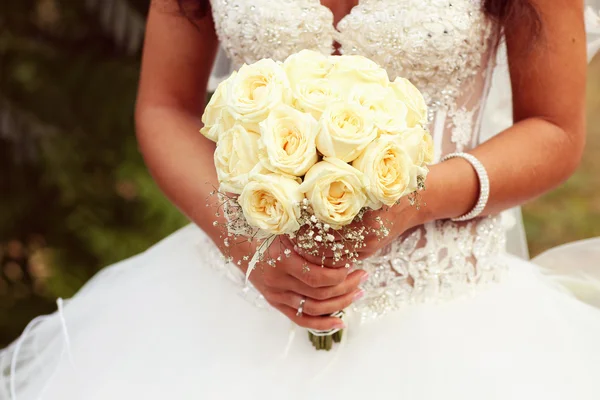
[484, 185]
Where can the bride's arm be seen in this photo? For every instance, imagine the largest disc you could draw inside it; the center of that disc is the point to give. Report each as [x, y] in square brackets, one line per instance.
[176, 66]
[177, 60]
[539, 152]
[544, 146]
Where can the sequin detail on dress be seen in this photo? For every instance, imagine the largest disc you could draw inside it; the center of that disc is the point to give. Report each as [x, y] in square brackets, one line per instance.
[405, 273]
[252, 30]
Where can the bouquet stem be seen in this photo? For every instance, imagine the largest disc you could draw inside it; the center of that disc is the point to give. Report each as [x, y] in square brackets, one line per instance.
[325, 342]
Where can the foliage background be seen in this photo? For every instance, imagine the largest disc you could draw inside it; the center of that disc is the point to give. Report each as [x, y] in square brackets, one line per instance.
[74, 193]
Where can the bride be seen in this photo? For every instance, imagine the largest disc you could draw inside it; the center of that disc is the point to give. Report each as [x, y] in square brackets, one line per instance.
[438, 311]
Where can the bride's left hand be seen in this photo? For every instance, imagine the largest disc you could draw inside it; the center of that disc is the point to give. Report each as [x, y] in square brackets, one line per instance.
[397, 219]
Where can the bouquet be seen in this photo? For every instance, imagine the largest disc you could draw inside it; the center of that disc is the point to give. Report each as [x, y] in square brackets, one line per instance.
[308, 146]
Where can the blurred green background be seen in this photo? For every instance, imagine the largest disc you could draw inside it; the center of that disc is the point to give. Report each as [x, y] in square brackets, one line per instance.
[75, 195]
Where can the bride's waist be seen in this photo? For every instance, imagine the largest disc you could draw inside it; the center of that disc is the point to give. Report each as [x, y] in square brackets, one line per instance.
[434, 262]
[441, 240]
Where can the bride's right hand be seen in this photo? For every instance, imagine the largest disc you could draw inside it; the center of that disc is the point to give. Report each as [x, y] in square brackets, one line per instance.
[326, 290]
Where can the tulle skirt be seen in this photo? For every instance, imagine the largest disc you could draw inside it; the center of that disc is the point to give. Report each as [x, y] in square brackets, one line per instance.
[167, 324]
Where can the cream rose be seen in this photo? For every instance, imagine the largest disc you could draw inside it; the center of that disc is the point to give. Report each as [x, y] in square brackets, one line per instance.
[349, 71]
[416, 172]
[271, 202]
[235, 156]
[335, 190]
[306, 64]
[387, 168]
[389, 113]
[287, 141]
[255, 91]
[314, 95]
[216, 119]
[410, 95]
[419, 145]
[345, 129]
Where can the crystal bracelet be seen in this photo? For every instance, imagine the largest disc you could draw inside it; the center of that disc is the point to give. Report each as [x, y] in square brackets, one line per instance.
[484, 185]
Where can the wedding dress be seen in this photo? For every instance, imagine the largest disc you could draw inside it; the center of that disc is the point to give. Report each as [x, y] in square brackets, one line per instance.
[447, 314]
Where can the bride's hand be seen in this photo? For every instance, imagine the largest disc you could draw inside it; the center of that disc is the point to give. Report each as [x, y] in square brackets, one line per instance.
[326, 290]
[397, 220]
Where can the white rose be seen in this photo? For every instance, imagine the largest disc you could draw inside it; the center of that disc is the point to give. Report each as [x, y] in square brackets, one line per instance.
[416, 172]
[345, 129]
[389, 113]
[255, 91]
[410, 95]
[386, 167]
[306, 64]
[349, 71]
[314, 95]
[216, 119]
[418, 144]
[235, 156]
[287, 142]
[335, 190]
[271, 202]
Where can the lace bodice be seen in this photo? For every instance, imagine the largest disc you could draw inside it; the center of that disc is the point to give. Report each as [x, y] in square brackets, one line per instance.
[445, 47]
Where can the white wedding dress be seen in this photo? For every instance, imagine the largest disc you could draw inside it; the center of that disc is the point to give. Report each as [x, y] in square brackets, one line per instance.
[447, 314]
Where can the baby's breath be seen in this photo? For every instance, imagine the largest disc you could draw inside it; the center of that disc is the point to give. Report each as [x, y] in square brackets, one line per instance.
[315, 237]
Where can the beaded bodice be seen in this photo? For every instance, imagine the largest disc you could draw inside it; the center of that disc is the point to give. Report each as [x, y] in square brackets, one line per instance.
[445, 47]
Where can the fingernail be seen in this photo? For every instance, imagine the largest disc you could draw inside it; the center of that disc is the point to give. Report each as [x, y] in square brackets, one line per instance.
[340, 325]
[364, 278]
[358, 295]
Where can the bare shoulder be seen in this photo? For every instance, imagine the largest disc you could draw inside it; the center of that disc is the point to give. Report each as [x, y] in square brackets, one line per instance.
[179, 50]
[548, 70]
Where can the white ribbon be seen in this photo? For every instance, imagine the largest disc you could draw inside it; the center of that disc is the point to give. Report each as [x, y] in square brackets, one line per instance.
[262, 248]
[338, 314]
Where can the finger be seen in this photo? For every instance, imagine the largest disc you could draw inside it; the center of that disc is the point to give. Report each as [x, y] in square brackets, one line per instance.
[327, 259]
[307, 273]
[318, 307]
[343, 257]
[314, 275]
[372, 218]
[347, 261]
[312, 322]
[372, 245]
[311, 258]
[283, 282]
[349, 285]
[365, 254]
